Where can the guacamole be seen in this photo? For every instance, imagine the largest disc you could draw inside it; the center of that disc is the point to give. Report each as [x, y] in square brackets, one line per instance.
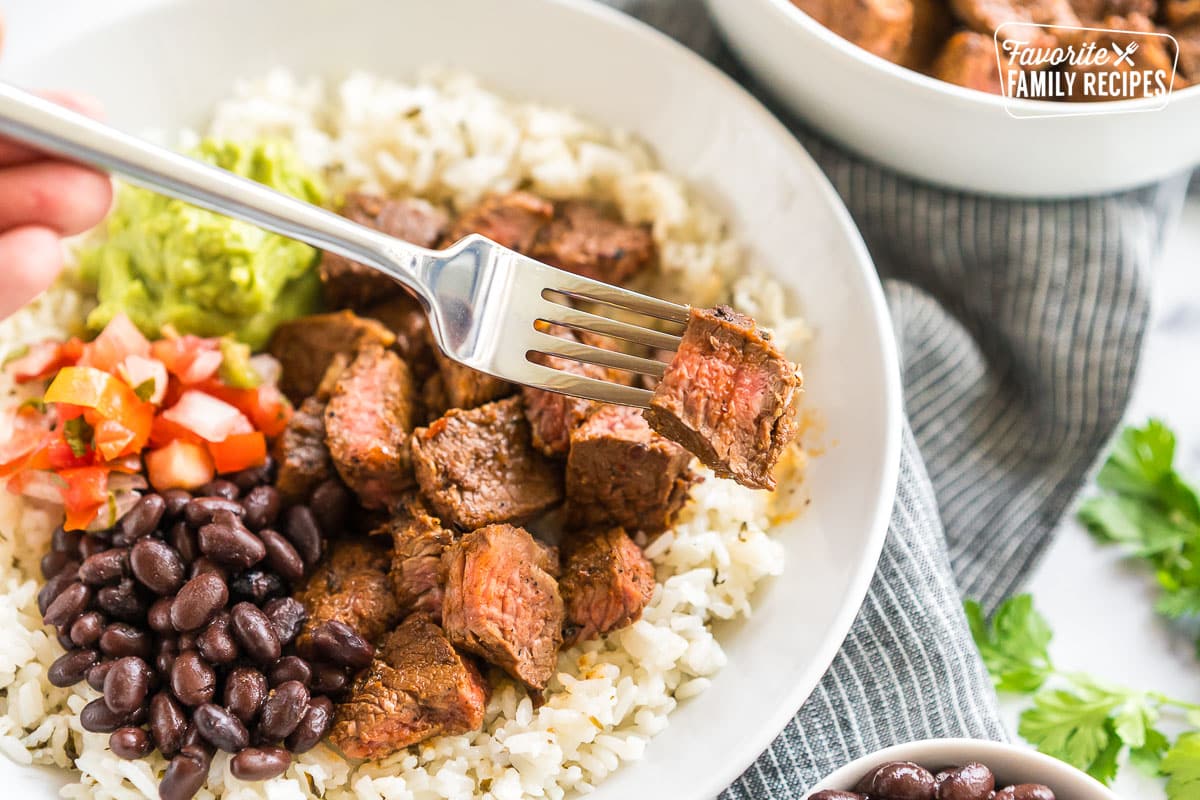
[164, 262]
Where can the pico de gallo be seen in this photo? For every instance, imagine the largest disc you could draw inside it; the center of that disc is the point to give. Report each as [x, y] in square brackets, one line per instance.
[122, 412]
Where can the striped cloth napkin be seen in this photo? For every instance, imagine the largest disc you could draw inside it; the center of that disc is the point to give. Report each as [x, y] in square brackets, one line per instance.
[1019, 325]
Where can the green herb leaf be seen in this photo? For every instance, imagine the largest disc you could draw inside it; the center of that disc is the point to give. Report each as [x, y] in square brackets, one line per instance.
[1072, 726]
[1014, 646]
[78, 435]
[145, 389]
[35, 403]
[1148, 758]
[1132, 521]
[1182, 765]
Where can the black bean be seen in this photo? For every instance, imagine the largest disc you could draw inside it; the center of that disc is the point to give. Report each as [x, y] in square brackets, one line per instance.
[205, 564]
[157, 565]
[70, 603]
[55, 562]
[183, 539]
[168, 723]
[220, 488]
[1025, 791]
[97, 717]
[834, 794]
[282, 556]
[176, 501]
[262, 506]
[126, 685]
[245, 692]
[216, 642]
[257, 586]
[64, 541]
[158, 617]
[63, 635]
[337, 643]
[96, 675]
[91, 544]
[86, 629]
[250, 477]
[289, 668]
[130, 743]
[164, 662]
[105, 568]
[287, 615]
[902, 780]
[70, 668]
[121, 639]
[187, 640]
[54, 586]
[220, 728]
[231, 544]
[143, 518]
[302, 531]
[192, 738]
[282, 711]
[329, 679]
[185, 774]
[259, 763]
[198, 600]
[192, 680]
[201, 510]
[254, 633]
[972, 781]
[123, 601]
[330, 502]
[317, 719]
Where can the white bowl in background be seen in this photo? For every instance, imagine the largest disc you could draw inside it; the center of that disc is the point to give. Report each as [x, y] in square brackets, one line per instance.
[1011, 764]
[946, 134]
[164, 63]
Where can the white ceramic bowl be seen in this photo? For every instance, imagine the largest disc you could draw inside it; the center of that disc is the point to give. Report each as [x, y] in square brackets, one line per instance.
[948, 135]
[163, 63]
[1011, 763]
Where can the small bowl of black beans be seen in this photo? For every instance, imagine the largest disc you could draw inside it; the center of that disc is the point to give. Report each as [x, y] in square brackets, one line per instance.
[959, 769]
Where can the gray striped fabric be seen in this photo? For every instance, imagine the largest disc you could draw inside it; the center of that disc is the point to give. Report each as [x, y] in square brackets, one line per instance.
[1020, 325]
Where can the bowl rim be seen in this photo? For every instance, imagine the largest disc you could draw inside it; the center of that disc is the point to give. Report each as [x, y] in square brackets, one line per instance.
[925, 751]
[742, 102]
[1046, 109]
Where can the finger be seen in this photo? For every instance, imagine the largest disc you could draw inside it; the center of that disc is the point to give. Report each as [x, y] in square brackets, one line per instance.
[64, 197]
[32, 257]
[13, 153]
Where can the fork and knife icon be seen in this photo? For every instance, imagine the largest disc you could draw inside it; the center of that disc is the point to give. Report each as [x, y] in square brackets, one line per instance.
[1125, 55]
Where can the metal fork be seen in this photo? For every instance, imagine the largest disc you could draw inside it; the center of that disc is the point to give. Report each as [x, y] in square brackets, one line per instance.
[484, 300]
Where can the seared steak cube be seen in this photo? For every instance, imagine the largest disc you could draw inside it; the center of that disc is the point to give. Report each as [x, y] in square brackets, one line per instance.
[418, 686]
[552, 416]
[367, 423]
[620, 472]
[478, 467]
[587, 240]
[729, 397]
[301, 453]
[969, 59]
[346, 283]
[502, 601]
[882, 27]
[986, 16]
[1091, 11]
[351, 586]
[512, 219]
[306, 346]
[606, 582]
[463, 387]
[1176, 13]
[405, 318]
[418, 540]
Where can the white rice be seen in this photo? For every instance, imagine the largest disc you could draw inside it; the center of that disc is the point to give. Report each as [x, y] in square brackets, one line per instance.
[445, 138]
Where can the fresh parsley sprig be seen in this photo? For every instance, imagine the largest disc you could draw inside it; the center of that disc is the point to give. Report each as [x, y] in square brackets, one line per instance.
[1077, 718]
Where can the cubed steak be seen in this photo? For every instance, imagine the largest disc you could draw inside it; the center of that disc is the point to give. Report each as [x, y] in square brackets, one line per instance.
[882, 27]
[460, 386]
[301, 453]
[729, 397]
[405, 318]
[417, 686]
[513, 220]
[969, 59]
[367, 425]
[418, 540]
[552, 416]
[479, 467]
[620, 472]
[1174, 12]
[593, 241]
[351, 586]
[606, 582]
[306, 346]
[1092, 11]
[502, 601]
[346, 283]
[986, 17]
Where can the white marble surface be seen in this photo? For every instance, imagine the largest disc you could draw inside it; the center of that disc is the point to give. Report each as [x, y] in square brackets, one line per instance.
[1100, 606]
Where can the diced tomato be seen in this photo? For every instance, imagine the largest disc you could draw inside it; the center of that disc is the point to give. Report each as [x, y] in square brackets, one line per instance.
[164, 431]
[207, 417]
[239, 451]
[22, 447]
[119, 340]
[85, 493]
[265, 405]
[59, 455]
[137, 370]
[179, 465]
[41, 361]
[189, 358]
[108, 398]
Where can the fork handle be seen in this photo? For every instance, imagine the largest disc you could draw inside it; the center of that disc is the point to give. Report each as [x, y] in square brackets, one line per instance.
[46, 126]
